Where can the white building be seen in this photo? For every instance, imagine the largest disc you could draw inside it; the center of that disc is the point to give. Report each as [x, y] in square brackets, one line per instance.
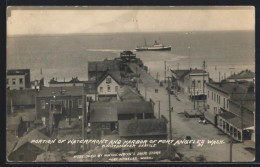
[108, 86]
[18, 79]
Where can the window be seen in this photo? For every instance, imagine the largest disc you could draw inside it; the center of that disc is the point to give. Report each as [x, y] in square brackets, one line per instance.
[116, 88]
[21, 81]
[21, 88]
[224, 101]
[214, 97]
[43, 104]
[79, 103]
[7, 81]
[108, 80]
[14, 81]
[199, 85]
[227, 103]
[108, 88]
[101, 89]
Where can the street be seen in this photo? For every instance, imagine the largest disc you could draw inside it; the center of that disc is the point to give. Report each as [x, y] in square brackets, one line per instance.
[183, 126]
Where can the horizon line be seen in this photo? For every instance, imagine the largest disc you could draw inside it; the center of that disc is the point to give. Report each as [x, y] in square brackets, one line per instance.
[104, 33]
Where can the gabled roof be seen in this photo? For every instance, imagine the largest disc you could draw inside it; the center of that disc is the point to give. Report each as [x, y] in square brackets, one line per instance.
[128, 93]
[33, 135]
[180, 74]
[113, 74]
[11, 141]
[142, 127]
[68, 91]
[247, 74]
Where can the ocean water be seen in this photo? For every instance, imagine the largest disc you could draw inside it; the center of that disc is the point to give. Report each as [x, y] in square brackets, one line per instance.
[67, 56]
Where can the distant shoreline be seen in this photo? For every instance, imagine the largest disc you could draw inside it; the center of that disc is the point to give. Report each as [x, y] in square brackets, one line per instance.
[125, 33]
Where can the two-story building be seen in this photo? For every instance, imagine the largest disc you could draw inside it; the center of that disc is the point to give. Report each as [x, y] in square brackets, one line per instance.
[191, 82]
[245, 75]
[108, 86]
[18, 79]
[239, 122]
[54, 104]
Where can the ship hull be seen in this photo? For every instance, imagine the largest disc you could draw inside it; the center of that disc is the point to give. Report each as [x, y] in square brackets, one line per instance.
[154, 49]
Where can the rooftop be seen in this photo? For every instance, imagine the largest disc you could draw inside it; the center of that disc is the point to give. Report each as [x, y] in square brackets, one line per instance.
[33, 135]
[73, 80]
[142, 127]
[107, 112]
[128, 93]
[182, 73]
[235, 120]
[104, 112]
[67, 91]
[18, 71]
[247, 74]
[114, 74]
[112, 65]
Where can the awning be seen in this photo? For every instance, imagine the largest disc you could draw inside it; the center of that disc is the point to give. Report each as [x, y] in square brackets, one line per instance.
[236, 121]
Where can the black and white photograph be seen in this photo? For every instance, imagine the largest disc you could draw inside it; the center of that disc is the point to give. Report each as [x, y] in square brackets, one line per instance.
[130, 84]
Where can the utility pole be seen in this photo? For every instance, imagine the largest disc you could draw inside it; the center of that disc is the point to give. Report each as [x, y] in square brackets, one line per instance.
[70, 110]
[83, 117]
[170, 113]
[204, 68]
[159, 114]
[193, 93]
[164, 71]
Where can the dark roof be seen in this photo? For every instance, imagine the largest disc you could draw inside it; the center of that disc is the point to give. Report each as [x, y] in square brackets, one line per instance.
[90, 87]
[142, 127]
[114, 74]
[18, 71]
[230, 87]
[103, 112]
[68, 91]
[236, 121]
[247, 74]
[11, 141]
[108, 111]
[182, 73]
[33, 135]
[20, 97]
[128, 93]
[127, 107]
[112, 65]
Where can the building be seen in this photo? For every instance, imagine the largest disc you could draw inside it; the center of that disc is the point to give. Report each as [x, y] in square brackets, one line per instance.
[91, 90]
[245, 75]
[27, 151]
[108, 85]
[37, 84]
[18, 79]
[18, 100]
[231, 108]
[73, 82]
[191, 82]
[239, 122]
[54, 104]
[127, 93]
[96, 69]
[104, 116]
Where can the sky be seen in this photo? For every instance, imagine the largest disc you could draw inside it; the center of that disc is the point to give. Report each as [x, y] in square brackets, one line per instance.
[47, 20]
